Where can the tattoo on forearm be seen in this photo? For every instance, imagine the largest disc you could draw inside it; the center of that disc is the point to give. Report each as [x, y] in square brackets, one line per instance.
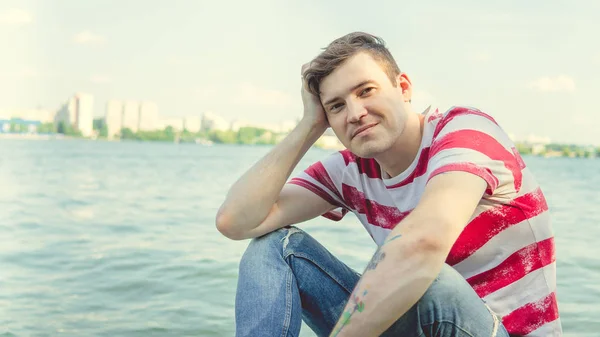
[392, 238]
[358, 305]
[378, 257]
[356, 298]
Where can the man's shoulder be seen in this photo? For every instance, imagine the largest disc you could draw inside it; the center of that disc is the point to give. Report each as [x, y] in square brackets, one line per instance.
[464, 110]
[463, 118]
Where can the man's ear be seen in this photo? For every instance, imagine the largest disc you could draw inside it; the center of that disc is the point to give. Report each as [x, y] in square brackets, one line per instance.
[405, 84]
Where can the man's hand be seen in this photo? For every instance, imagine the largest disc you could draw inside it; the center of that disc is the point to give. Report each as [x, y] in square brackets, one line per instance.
[313, 109]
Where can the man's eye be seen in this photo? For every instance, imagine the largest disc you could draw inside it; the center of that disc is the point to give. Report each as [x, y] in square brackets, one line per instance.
[335, 107]
[366, 91]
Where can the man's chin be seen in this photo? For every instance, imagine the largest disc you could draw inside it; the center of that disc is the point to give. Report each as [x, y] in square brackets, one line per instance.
[367, 149]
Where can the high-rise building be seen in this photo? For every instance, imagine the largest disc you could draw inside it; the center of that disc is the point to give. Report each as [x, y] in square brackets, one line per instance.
[67, 113]
[78, 112]
[131, 116]
[148, 116]
[113, 118]
[85, 114]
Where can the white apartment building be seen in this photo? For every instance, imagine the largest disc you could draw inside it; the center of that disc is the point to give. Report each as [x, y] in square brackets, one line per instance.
[78, 112]
[148, 116]
[131, 116]
[113, 118]
[85, 114]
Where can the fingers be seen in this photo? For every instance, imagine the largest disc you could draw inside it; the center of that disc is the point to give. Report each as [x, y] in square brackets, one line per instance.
[305, 66]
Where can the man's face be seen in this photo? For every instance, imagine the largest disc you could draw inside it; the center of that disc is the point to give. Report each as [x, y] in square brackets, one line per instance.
[364, 109]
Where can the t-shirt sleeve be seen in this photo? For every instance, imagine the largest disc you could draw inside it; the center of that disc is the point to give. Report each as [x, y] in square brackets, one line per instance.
[471, 141]
[324, 179]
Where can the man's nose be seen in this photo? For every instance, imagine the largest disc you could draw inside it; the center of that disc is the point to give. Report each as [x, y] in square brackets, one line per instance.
[356, 111]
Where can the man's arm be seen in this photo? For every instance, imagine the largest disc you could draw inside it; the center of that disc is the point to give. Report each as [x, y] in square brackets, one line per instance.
[257, 203]
[404, 267]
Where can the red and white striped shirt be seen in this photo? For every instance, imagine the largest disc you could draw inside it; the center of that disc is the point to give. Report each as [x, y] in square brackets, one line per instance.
[505, 252]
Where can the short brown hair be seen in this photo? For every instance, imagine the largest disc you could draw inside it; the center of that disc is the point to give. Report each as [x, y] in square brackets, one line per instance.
[342, 49]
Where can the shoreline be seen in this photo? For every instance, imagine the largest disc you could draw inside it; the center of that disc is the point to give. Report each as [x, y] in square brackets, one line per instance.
[58, 136]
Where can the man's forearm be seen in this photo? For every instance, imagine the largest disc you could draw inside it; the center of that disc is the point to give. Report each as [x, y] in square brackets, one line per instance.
[398, 275]
[251, 197]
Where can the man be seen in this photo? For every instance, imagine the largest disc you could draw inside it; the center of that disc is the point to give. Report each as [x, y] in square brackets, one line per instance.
[465, 246]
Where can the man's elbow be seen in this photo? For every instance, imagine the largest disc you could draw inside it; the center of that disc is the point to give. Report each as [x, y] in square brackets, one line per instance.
[435, 245]
[225, 226]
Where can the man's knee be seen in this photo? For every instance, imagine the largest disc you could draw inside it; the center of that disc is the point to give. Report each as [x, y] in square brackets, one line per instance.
[270, 245]
[448, 287]
[451, 299]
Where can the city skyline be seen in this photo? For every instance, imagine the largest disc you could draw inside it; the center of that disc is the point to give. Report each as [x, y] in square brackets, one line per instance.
[78, 112]
[531, 65]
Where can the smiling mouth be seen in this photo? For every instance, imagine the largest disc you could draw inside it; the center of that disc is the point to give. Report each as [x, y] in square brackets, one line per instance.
[364, 128]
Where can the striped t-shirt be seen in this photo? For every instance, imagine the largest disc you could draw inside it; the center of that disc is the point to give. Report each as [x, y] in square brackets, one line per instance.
[506, 251]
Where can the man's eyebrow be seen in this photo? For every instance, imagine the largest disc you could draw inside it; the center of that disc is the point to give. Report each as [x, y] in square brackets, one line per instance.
[350, 90]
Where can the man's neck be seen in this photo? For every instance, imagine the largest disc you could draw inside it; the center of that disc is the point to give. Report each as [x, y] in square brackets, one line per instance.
[399, 157]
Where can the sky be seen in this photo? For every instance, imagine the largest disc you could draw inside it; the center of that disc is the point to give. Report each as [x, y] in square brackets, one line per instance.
[532, 65]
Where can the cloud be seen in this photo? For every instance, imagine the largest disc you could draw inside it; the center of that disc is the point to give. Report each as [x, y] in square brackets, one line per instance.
[100, 79]
[480, 56]
[15, 17]
[251, 94]
[87, 37]
[553, 84]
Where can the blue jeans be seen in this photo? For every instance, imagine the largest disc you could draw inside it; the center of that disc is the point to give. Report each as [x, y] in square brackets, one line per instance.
[286, 276]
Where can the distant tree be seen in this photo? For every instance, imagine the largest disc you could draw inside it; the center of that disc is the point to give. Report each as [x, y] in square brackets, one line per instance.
[100, 126]
[67, 130]
[224, 137]
[14, 127]
[126, 133]
[250, 135]
[98, 123]
[47, 128]
[523, 149]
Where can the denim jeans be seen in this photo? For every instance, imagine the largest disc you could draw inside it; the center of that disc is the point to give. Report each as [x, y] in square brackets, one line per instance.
[286, 276]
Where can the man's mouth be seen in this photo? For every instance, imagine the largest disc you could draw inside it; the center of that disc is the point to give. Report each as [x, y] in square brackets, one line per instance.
[362, 128]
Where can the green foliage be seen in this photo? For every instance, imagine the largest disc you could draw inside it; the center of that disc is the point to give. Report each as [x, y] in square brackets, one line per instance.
[14, 127]
[251, 135]
[98, 123]
[46, 128]
[67, 130]
[100, 126]
[166, 135]
[126, 133]
[523, 148]
[223, 137]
